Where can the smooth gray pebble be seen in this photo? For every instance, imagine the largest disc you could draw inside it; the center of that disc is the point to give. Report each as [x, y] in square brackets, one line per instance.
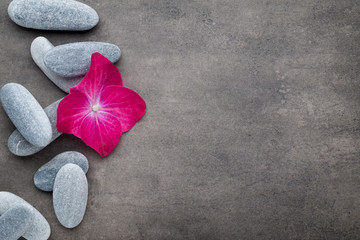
[70, 195]
[26, 113]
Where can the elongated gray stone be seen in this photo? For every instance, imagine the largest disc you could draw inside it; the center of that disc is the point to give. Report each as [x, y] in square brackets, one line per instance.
[19, 146]
[44, 177]
[73, 59]
[26, 114]
[39, 228]
[67, 15]
[15, 222]
[70, 195]
[39, 47]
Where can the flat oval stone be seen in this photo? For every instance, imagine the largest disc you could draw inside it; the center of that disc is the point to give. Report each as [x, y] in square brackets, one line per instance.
[39, 228]
[26, 114]
[70, 195]
[67, 15]
[15, 222]
[39, 47]
[19, 146]
[73, 59]
[44, 177]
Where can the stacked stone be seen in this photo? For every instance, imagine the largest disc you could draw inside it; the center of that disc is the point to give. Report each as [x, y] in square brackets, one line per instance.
[65, 176]
[20, 219]
[66, 65]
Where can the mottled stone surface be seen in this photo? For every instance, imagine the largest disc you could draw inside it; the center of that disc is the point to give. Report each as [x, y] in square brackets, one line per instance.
[252, 128]
[26, 114]
[15, 222]
[70, 195]
[53, 15]
[73, 59]
[19, 146]
[39, 229]
[44, 177]
[39, 47]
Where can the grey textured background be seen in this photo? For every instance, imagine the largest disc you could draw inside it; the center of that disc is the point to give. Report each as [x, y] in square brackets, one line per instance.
[252, 128]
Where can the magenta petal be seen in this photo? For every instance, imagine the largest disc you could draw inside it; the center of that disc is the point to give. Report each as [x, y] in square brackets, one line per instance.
[100, 109]
[71, 111]
[102, 73]
[124, 103]
[101, 131]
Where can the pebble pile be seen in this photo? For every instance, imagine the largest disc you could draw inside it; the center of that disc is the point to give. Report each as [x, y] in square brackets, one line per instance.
[19, 146]
[44, 178]
[25, 221]
[65, 176]
[15, 222]
[65, 66]
[39, 47]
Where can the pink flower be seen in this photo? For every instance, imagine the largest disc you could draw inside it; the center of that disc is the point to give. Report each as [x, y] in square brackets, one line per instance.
[99, 108]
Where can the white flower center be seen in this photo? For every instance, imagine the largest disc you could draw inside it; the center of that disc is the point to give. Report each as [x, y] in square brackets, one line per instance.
[95, 107]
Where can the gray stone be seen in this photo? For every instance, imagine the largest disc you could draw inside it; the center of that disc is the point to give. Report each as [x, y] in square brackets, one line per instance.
[44, 177]
[15, 222]
[26, 114]
[67, 15]
[73, 59]
[19, 146]
[39, 229]
[70, 195]
[39, 47]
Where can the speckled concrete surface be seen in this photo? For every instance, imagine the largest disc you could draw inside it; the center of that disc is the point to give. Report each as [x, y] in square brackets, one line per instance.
[251, 130]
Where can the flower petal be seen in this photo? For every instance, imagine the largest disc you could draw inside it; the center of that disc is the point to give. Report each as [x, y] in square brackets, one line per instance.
[100, 109]
[102, 73]
[71, 111]
[123, 103]
[101, 131]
